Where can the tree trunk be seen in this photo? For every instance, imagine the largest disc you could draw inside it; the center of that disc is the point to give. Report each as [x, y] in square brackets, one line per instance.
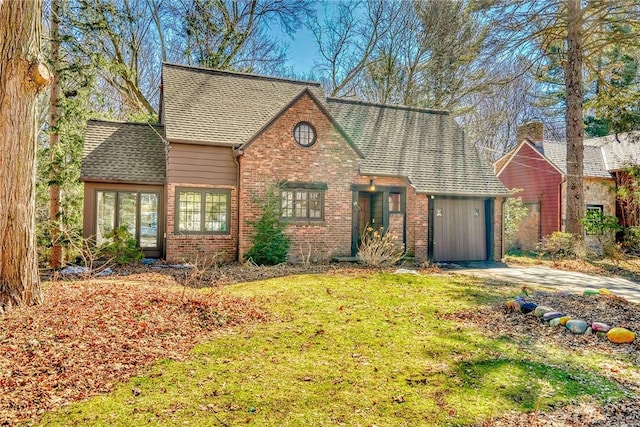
[22, 77]
[575, 126]
[55, 261]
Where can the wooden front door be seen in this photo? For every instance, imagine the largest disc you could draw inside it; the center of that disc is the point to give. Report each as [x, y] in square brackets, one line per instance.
[459, 229]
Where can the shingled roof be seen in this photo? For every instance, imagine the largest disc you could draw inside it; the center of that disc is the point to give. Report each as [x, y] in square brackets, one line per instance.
[223, 108]
[593, 162]
[123, 152]
[425, 146]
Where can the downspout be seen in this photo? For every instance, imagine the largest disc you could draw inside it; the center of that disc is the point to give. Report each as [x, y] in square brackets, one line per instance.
[237, 153]
[562, 181]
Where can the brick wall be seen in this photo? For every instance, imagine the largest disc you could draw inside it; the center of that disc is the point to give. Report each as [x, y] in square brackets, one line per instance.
[498, 229]
[275, 156]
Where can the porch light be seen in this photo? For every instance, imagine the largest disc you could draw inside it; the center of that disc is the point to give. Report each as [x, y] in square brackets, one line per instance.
[372, 185]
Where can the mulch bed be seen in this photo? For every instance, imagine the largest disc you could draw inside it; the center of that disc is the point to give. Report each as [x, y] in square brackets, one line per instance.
[615, 311]
[88, 336]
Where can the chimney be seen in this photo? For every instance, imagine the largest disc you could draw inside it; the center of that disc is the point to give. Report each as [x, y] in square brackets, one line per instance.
[533, 131]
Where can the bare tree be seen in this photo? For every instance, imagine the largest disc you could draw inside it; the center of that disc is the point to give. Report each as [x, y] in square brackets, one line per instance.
[234, 34]
[22, 76]
[347, 39]
[568, 39]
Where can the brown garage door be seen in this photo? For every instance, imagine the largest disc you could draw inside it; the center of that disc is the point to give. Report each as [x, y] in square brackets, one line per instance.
[459, 230]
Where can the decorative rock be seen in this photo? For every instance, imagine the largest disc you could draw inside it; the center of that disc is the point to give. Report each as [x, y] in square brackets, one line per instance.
[512, 305]
[552, 315]
[577, 326]
[591, 292]
[564, 320]
[589, 331]
[528, 307]
[604, 291]
[600, 327]
[562, 293]
[621, 336]
[541, 310]
[554, 322]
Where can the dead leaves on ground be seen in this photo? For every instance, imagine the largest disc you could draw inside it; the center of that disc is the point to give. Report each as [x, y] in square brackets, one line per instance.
[88, 336]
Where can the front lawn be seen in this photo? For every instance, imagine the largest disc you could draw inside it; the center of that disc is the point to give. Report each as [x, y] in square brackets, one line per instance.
[358, 348]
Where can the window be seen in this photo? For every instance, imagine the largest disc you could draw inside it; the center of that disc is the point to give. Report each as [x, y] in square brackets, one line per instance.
[304, 134]
[594, 219]
[203, 211]
[301, 204]
[138, 211]
[394, 202]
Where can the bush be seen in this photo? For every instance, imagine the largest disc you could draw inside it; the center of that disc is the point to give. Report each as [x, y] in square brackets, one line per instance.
[559, 245]
[270, 244]
[631, 241]
[121, 247]
[379, 249]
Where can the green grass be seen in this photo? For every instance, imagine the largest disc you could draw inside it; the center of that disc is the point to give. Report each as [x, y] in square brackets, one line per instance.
[366, 349]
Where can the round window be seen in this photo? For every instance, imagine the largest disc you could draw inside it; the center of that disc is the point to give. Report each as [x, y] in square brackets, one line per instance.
[304, 134]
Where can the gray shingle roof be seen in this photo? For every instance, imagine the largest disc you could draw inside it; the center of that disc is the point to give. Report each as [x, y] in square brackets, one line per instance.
[620, 151]
[223, 108]
[427, 147]
[124, 152]
[593, 162]
[601, 155]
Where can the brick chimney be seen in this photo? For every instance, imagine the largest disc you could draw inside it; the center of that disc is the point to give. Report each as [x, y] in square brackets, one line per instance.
[533, 131]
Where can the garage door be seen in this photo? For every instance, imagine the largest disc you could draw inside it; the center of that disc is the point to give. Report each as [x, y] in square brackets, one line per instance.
[459, 230]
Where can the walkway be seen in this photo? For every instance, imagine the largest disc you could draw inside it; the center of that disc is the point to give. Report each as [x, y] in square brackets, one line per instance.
[572, 281]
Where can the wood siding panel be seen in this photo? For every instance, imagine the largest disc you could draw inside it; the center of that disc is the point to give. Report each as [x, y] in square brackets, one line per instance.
[541, 183]
[201, 164]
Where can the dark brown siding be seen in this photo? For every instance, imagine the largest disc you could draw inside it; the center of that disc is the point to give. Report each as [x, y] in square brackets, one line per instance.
[201, 164]
[540, 182]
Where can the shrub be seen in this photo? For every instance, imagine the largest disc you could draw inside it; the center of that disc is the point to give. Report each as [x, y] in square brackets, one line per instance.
[514, 212]
[121, 247]
[631, 241]
[559, 245]
[270, 244]
[379, 249]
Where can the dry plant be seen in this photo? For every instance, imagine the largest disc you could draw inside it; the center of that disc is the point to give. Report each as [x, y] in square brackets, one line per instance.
[87, 253]
[379, 249]
[197, 272]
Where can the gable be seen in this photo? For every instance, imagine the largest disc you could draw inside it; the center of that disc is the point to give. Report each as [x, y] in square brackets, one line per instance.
[524, 155]
[313, 108]
[222, 108]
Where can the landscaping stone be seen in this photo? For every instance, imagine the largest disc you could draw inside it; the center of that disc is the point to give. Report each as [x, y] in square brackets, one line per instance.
[589, 331]
[600, 327]
[552, 315]
[564, 320]
[513, 305]
[604, 291]
[621, 336]
[541, 310]
[554, 322]
[591, 292]
[528, 307]
[577, 326]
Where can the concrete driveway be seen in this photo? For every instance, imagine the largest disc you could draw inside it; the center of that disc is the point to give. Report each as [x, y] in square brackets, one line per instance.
[572, 281]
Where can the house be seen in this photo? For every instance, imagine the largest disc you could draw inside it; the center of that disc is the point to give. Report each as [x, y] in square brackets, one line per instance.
[538, 168]
[188, 186]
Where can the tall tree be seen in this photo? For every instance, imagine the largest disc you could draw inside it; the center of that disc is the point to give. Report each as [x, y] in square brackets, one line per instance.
[55, 260]
[571, 33]
[23, 75]
[575, 125]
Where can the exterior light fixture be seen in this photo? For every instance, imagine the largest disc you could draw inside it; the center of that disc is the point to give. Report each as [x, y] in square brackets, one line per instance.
[372, 185]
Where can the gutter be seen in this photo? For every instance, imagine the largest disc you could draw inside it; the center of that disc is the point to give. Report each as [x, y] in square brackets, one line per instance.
[237, 153]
